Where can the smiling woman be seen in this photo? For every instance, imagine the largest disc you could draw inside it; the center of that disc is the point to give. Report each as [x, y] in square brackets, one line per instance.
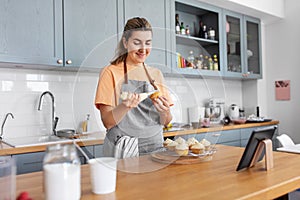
[131, 116]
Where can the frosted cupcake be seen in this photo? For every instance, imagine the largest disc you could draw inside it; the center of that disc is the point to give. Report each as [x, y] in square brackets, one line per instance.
[180, 140]
[182, 149]
[171, 146]
[191, 141]
[167, 141]
[206, 144]
[198, 148]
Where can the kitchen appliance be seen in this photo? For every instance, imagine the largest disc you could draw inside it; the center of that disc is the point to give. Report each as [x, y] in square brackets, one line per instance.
[233, 111]
[215, 110]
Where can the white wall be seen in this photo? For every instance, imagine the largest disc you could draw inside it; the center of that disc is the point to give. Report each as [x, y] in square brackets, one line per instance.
[269, 11]
[74, 92]
[283, 63]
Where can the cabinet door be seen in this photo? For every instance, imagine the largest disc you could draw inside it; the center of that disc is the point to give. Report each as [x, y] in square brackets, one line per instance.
[31, 31]
[90, 32]
[155, 12]
[89, 151]
[29, 162]
[252, 49]
[98, 151]
[233, 60]
[231, 138]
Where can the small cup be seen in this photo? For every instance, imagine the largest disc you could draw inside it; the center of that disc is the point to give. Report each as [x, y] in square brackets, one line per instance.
[196, 125]
[7, 178]
[205, 122]
[103, 172]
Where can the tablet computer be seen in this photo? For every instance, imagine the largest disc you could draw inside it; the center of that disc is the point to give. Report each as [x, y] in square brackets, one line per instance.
[256, 137]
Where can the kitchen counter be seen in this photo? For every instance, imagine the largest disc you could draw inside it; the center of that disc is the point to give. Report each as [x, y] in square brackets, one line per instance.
[215, 179]
[98, 137]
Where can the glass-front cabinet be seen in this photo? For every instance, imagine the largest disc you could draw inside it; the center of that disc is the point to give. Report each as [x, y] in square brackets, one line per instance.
[197, 44]
[252, 48]
[233, 60]
[242, 43]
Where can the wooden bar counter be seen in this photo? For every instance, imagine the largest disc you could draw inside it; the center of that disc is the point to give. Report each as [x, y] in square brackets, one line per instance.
[142, 178]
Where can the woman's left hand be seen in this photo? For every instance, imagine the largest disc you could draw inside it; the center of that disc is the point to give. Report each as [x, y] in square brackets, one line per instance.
[162, 105]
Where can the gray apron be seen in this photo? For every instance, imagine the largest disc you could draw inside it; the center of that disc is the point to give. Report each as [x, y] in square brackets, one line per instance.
[142, 122]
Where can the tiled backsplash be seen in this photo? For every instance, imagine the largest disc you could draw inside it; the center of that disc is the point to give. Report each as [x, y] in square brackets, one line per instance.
[74, 92]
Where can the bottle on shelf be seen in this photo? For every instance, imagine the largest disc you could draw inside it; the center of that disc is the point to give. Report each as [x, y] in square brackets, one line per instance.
[187, 30]
[205, 35]
[201, 34]
[200, 61]
[210, 64]
[205, 62]
[177, 24]
[191, 59]
[211, 33]
[182, 29]
[216, 64]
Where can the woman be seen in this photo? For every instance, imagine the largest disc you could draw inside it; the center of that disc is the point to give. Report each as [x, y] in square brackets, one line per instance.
[133, 115]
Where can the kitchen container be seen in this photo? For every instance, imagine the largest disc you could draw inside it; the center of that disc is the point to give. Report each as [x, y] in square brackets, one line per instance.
[61, 168]
[7, 178]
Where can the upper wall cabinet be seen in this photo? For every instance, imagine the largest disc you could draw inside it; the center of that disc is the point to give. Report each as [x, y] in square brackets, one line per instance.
[58, 32]
[242, 43]
[155, 12]
[31, 31]
[198, 39]
[210, 41]
[90, 32]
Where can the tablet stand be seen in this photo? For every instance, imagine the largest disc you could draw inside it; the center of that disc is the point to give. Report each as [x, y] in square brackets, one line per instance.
[267, 145]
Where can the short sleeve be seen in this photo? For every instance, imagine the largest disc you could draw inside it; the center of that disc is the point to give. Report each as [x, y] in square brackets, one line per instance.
[105, 93]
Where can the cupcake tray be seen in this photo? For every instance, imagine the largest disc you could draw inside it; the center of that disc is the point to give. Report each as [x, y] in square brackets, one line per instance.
[171, 157]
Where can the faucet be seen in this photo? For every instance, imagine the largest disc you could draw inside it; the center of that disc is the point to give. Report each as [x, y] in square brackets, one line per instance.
[54, 119]
[8, 114]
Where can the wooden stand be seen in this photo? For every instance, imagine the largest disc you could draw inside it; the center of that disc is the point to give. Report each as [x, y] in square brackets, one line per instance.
[267, 145]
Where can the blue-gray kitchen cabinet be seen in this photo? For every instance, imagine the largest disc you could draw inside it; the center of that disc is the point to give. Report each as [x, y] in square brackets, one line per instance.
[156, 12]
[90, 32]
[58, 32]
[29, 162]
[31, 32]
[191, 12]
[98, 150]
[242, 42]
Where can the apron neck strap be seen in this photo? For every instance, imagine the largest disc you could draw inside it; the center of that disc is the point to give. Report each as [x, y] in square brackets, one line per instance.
[147, 73]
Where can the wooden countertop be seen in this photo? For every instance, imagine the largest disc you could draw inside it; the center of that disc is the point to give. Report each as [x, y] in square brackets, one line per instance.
[215, 179]
[8, 150]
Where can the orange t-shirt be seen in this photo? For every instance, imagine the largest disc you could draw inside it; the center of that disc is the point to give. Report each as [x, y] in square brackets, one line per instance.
[112, 77]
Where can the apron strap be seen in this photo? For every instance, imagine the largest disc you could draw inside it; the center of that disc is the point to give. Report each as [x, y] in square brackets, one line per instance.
[148, 75]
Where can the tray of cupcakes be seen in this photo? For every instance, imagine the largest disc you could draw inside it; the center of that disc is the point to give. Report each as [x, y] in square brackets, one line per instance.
[181, 151]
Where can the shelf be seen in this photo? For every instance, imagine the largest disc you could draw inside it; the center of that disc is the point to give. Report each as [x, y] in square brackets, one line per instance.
[197, 39]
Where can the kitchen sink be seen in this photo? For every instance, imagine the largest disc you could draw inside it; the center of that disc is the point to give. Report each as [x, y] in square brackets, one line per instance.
[35, 141]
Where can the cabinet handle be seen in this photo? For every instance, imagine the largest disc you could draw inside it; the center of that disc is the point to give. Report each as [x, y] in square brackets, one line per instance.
[59, 61]
[69, 62]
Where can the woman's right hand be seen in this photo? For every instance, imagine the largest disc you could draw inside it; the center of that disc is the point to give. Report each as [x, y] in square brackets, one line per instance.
[132, 100]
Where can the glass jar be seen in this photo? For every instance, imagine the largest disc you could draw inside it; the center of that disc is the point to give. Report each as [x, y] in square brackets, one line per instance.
[61, 166]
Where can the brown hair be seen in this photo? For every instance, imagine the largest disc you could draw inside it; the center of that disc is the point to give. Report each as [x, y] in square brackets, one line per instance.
[133, 24]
